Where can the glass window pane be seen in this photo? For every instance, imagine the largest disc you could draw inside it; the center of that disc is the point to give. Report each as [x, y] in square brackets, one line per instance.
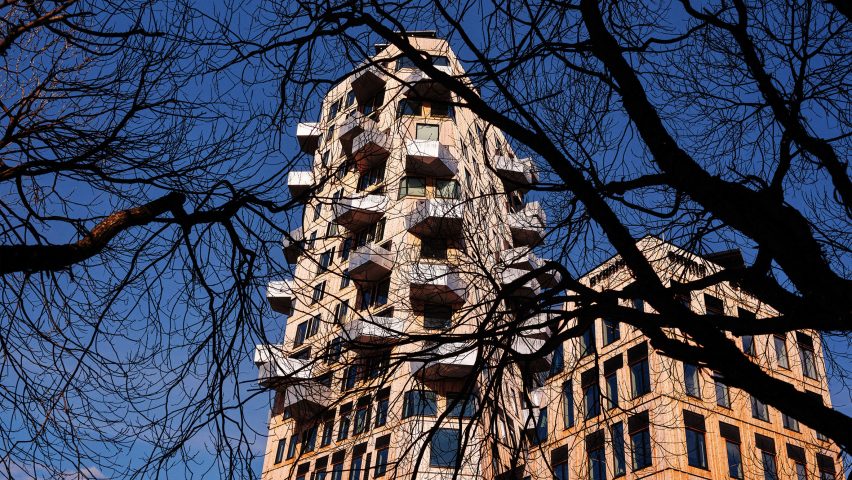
[426, 131]
[444, 451]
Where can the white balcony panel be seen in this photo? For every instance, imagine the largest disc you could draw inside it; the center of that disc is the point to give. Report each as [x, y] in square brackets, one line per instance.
[306, 399]
[276, 369]
[299, 182]
[537, 361]
[527, 225]
[435, 216]
[523, 258]
[518, 172]
[308, 136]
[353, 213]
[537, 326]
[351, 125]
[529, 289]
[429, 157]
[371, 147]
[370, 262]
[294, 245]
[445, 361]
[436, 283]
[374, 329]
[420, 85]
[280, 296]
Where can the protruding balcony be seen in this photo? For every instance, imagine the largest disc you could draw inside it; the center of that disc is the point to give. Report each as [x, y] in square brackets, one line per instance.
[306, 399]
[444, 361]
[370, 147]
[294, 245]
[420, 85]
[537, 326]
[523, 258]
[308, 135]
[373, 329]
[275, 369]
[280, 296]
[299, 182]
[527, 225]
[532, 346]
[517, 172]
[429, 157]
[367, 82]
[434, 282]
[351, 125]
[435, 217]
[529, 289]
[353, 213]
[370, 262]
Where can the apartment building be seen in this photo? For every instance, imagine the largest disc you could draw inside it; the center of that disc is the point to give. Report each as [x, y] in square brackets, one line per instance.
[415, 244]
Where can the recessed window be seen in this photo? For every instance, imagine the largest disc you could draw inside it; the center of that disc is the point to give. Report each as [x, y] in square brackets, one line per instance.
[691, 380]
[735, 461]
[441, 61]
[362, 417]
[640, 444]
[318, 293]
[612, 330]
[345, 422]
[372, 176]
[313, 325]
[309, 439]
[538, 434]
[447, 189]
[587, 341]
[568, 404]
[723, 393]
[640, 375]
[419, 403]
[405, 62]
[412, 187]
[748, 345]
[444, 448]
[434, 248]
[381, 462]
[327, 432]
[410, 107]
[591, 394]
[781, 357]
[789, 422]
[301, 334]
[441, 109]
[696, 447]
[382, 404]
[437, 317]
[294, 445]
[611, 381]
[806, 354]
[426, 131]
[376, 294]
[759, 410]
[619, 467]
[461, 406]
[597, 464]
[713, 305]
[279, 450]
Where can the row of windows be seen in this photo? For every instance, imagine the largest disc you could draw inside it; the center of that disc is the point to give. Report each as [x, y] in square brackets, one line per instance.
[359, 467]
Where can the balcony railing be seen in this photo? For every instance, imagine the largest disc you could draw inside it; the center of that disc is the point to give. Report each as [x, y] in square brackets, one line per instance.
[371, 147]
[523, 258]
[529, 289]
[354, 213]
[370, 262]
[280, 296]
[445, 361]
[275, 369]
[299, 182]
[435, 282]
[429, 157]
[527, 225]
[374, 329]
[308, 136]
[517, 172]
[435, 217]
[294, 245]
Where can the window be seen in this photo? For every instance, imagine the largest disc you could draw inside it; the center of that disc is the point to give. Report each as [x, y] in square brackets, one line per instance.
[735, 461]
[441, 109]
[806, 354]
[335, 348]
[759, 410]
[696, 448]
[382, 404]
[313, 325]
[370, 234]
[304, 354]
[334, 108]
[611, 382]
[748, 345]
[568, 404]
[362, 416]
[317, 211]
[404, 62]
[346, 248]
[587, 341]
[441, 61]
[350, 377]
[597, 464]
[419, 403]
[433, 247]
[539, 435]
[294, 444]
[639, 304]
[311, 239]
[802, 472]
[618, 460]
[410, 107]
[318, 293]
[350, 98]
[640, 375]
[723, 393]
[557, 362]
[345, 279]
[325, 260]
[341, 310]
[355, 467]
[612, 331]
[345, 421]
[426, 131]
[381, 462]
[437, 317]
[781, 351]
[826, 467]
[279, 450]
[713, 305]
[412, 187]
[373, 176]
[377, 364]
[691, 380]
[640, 440]
[301, 334]
[327, 432]
[461, 406]
[767, 460]
[375, 295]
[560, 471]
[329, 134]
[445, 445]
[789, 422]
[591, 393]
[331, 230]
[447, 189]
[309, 439]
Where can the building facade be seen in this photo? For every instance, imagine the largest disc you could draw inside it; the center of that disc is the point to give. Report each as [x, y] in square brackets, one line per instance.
[416, 243]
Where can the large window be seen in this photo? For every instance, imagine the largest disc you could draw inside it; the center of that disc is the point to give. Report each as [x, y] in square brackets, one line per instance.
[640, 375]
[437, 317]
[461, 406]
[731, 434]
[410, 107]
[419, 403]
[426, 131]
[434, 248]
[375, 295]
[640, 440]
[806, 354]
[612, 330]
[619, 467]
[337, 471]
[356, 467]
[412, 187]
[372, 176]
[447, 189]
[781, 351]
[797, 455]
[696, 448]
[318, 292]
[444, 448]
[587, 341]
[723, 393]
[748, 345]
[691, 380]
[759, 410]
[568, 404]
[591, 393]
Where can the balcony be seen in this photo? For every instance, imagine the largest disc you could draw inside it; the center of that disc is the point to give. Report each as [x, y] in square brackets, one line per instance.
[370, 148]
[537, 362]
[433, 282]
[370, 263]
[527, 225]
[444, 361]
[435, 217]
[517, 172]
[294, 245]
[308, 136]
[305, 400]
[368, 82]
[420, 85]
[430, 158]
[537, 327]
[354, 213]
[523, 258]
[299, 182]
[351, 126]
[275, 369]
[527, 290]
[280, 296]
[374, 329]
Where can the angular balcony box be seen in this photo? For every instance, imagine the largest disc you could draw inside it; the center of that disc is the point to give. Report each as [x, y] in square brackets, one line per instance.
[515, 172]
[299, 182]
[528, 290]
[280, 296]
[367, 82]
[294, 245]
[436, 283]
[532, 346]
[537, 326]
[306, 399]
[370, 263]
[276, 370]
[370, 148]
[523, 258]
[445, 361]
[373, 330]
[308, 136]
[420, 86]
[527, 225]
[430, 158]
[354, 213]
[435, 217]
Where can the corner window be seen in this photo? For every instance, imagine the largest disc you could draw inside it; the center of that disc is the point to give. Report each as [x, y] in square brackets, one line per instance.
[447, 189]
[412, 187]
[419, 403]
